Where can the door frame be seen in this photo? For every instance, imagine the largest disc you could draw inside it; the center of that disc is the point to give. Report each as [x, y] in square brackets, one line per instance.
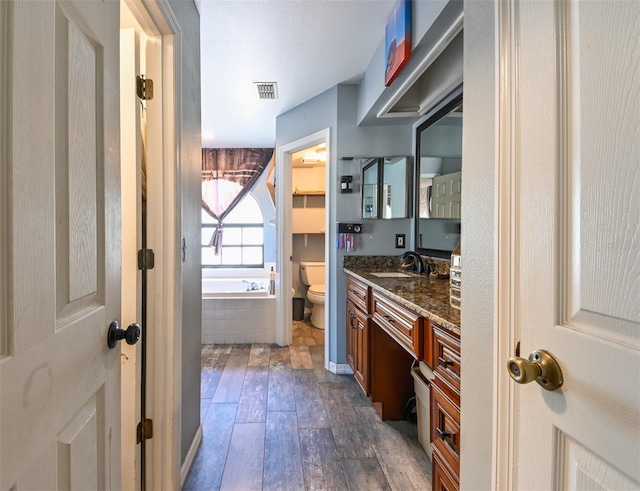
[504, 326]
[284, 200]
[164, 348]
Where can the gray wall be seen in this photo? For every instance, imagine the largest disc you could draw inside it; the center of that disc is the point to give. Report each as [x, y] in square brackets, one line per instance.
[336, 109]
[378, 236]
[190, 171]
[479, 191]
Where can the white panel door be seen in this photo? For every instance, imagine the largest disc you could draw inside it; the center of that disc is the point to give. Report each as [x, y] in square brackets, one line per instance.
[575, 133]
[447, 194]
[59, 382]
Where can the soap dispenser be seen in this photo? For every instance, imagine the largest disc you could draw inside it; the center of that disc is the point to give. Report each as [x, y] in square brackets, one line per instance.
[272, 282]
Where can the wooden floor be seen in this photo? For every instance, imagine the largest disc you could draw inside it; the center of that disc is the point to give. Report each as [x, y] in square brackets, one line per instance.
[274, 419]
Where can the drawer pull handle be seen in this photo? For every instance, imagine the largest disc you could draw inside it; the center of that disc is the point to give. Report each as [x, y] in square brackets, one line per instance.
[444, 363]
[443, 435]
[390, 320]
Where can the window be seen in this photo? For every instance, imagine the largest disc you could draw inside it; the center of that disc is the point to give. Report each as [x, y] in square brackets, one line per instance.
[242, 237]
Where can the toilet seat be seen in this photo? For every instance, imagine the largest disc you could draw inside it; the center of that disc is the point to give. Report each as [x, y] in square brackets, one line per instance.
[317, 289]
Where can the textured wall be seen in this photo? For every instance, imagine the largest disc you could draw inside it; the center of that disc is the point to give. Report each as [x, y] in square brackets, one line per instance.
[190, 163]
[479, 189]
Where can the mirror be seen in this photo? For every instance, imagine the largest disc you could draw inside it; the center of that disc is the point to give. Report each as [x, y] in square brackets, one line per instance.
[439, 178]
[370, 176]
[386, 187]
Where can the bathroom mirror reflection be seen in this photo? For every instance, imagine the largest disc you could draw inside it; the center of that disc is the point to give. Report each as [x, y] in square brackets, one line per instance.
[386, 187]
[439, 178]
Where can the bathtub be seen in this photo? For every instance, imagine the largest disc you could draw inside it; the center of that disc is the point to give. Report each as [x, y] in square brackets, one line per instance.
[235, 287]
[231, 314]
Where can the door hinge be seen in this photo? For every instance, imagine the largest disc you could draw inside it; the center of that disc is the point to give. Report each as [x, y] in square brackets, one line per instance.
[145, 259]
[145, 430]
[144, 88]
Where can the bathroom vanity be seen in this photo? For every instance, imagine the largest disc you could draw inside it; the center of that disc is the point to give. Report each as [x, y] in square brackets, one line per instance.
[395, 320]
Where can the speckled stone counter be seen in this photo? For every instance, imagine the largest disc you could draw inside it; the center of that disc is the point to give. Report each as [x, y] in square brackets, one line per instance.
[424, 295]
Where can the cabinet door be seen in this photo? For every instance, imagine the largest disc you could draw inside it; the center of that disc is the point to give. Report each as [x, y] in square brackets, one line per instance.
[351, 335]
[362, 357]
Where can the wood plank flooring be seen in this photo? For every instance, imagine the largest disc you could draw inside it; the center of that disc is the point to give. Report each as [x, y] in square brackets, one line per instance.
[274, 419]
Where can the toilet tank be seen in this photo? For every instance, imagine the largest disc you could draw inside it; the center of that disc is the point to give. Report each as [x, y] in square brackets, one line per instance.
[312, 273]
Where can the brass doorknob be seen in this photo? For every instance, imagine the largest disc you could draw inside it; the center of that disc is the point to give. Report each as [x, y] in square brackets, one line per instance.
[541, 367]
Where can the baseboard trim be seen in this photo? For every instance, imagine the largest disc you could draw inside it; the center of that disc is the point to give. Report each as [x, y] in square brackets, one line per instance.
[340, 368]
[191, 455]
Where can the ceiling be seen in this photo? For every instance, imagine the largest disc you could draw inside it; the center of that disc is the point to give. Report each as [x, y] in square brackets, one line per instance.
[305, 46]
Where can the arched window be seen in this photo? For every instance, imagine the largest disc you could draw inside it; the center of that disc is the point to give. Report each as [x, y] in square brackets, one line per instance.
[242, 240]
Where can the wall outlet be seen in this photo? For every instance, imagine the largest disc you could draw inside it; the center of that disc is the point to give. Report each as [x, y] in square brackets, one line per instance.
[400, 244]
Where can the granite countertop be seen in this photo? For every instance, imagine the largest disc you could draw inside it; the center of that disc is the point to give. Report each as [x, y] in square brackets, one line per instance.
[424, 295]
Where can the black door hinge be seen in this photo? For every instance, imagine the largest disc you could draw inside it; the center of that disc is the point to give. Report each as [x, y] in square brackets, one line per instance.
[145, 430]
[144, 88]
[146, 259]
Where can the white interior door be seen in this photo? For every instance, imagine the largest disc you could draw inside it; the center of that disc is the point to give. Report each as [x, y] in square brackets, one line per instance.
[59, 382]
[575, 236]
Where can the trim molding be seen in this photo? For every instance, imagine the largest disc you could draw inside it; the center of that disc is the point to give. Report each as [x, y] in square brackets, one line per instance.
[191, 455]
[5, 56]
[505, 334]
[340, 368]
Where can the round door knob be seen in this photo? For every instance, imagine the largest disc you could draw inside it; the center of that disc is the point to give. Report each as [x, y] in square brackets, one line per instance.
[115, 334]
[541, 367]
[522, 370]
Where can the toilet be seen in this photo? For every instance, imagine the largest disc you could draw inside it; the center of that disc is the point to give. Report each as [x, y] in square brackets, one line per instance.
[312, 274]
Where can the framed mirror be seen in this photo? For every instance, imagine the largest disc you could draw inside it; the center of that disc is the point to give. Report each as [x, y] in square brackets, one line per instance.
[438, 178]
[386, 187]
[370, 181]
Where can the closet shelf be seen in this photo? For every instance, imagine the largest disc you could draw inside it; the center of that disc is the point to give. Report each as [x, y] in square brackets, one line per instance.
[308, 193]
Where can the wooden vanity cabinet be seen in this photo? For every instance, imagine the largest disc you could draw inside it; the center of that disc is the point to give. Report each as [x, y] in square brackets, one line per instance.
[445, 409]
[358, 332]
[358, 341]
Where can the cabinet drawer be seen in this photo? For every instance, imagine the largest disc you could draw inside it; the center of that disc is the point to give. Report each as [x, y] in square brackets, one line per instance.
[445, 427]
[446, 356]
[404, 326]
[442, 479]
[358, 293]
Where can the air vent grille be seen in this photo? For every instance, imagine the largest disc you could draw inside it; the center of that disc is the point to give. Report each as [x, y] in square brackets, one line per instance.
[266, 90]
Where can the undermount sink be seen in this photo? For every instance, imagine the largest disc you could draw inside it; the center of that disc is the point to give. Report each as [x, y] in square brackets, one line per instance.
[391, 275]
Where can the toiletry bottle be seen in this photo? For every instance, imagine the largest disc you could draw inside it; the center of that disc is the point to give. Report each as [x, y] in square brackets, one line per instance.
[272, 282]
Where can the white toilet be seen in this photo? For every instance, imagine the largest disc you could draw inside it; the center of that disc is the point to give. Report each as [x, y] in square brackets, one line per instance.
[312, 274]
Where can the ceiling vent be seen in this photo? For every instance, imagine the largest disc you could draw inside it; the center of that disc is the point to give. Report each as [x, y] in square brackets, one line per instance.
[266, 90]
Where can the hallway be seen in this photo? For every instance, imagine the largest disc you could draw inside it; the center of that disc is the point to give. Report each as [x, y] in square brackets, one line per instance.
[274, 419]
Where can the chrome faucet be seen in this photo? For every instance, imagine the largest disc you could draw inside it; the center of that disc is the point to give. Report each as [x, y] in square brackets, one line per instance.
[412, 260]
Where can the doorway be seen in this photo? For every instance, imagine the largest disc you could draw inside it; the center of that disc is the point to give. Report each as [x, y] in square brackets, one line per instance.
[149, 169]
[284, 216]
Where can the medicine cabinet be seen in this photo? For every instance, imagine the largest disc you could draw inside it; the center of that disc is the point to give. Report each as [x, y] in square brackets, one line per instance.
[386, 187]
